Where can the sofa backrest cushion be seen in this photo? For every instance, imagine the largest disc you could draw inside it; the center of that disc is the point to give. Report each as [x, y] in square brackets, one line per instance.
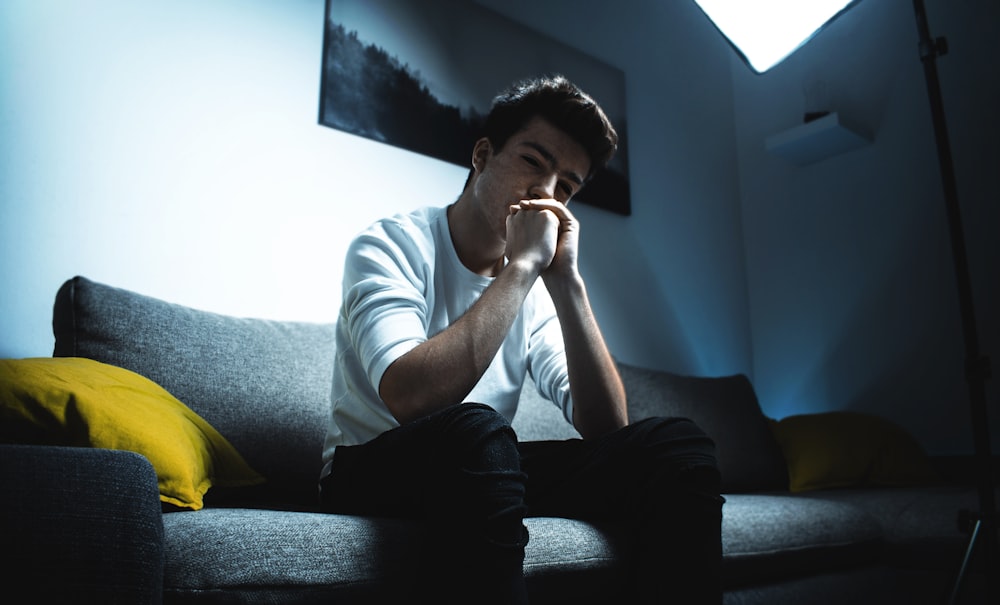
[726, 408]
[264, 385]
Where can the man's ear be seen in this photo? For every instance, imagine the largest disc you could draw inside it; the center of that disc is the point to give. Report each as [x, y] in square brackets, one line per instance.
[481, 153]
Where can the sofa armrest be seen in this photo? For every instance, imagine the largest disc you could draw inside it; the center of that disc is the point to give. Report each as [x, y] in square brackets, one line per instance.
[80, 525]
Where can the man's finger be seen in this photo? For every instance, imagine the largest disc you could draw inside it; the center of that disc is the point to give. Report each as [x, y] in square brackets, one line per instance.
[566, 218]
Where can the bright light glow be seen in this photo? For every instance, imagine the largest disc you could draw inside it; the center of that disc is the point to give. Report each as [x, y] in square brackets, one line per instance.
[767, 31]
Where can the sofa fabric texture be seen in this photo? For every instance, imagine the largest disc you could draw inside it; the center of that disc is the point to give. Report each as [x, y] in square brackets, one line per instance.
[265, 386]
[80, 525]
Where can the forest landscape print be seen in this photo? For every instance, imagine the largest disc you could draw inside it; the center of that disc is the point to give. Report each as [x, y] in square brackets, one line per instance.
[420, 75]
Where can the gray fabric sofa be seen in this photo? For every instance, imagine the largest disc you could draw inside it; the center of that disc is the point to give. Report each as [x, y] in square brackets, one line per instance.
[265, 386]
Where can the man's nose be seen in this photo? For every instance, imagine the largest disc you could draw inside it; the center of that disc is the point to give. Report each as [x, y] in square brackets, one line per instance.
[544, 188]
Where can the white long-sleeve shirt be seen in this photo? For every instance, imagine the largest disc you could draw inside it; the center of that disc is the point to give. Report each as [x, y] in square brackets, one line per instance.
[404, 283]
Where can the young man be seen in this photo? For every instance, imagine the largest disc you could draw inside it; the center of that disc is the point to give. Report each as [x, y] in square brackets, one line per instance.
[442, 318]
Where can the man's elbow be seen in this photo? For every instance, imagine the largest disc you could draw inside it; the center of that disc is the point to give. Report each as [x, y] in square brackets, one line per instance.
[399, 401]
[409, 397]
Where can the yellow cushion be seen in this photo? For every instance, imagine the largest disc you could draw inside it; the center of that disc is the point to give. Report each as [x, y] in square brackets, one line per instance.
[80, 402]
[848, 449]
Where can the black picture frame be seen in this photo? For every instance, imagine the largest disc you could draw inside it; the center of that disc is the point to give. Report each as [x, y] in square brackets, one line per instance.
[421, 74]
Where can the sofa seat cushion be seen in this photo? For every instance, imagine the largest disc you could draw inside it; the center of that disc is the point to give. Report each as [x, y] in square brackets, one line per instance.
[248, 555]
[765, 537]
[920, 525]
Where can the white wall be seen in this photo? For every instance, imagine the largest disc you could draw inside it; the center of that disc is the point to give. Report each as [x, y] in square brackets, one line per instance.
[173, 149]
[853, 300]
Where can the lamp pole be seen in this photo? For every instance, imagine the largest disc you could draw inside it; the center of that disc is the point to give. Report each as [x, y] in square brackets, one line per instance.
[977, 366]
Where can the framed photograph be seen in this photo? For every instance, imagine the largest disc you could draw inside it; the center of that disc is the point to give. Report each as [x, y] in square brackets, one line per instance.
[421, 75]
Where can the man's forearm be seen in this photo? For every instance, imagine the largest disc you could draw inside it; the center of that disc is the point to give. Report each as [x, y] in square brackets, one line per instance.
[599, 400]
[442, 370]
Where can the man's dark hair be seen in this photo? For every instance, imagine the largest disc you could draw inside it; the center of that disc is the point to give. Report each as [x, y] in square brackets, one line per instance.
[561, 103]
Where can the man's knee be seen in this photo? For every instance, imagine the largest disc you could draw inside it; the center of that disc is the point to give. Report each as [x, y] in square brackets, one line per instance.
[479, 435]
[675, 443]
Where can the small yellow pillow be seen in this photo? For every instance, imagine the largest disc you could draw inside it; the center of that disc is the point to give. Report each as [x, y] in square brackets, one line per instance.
[847, 449]
[80, 402]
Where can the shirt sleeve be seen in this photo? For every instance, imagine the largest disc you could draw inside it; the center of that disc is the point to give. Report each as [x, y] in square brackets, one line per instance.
[385, 302]
[547, 353]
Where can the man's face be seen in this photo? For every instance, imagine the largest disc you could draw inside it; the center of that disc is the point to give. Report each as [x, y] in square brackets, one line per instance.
[538, 162]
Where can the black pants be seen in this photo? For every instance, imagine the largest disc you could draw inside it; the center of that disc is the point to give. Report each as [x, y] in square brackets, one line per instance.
[463, 471]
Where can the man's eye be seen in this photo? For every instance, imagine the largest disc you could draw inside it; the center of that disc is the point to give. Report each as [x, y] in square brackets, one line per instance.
[531, 160]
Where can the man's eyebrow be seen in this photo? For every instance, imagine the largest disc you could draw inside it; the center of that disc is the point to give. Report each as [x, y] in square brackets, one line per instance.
[551, 159]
